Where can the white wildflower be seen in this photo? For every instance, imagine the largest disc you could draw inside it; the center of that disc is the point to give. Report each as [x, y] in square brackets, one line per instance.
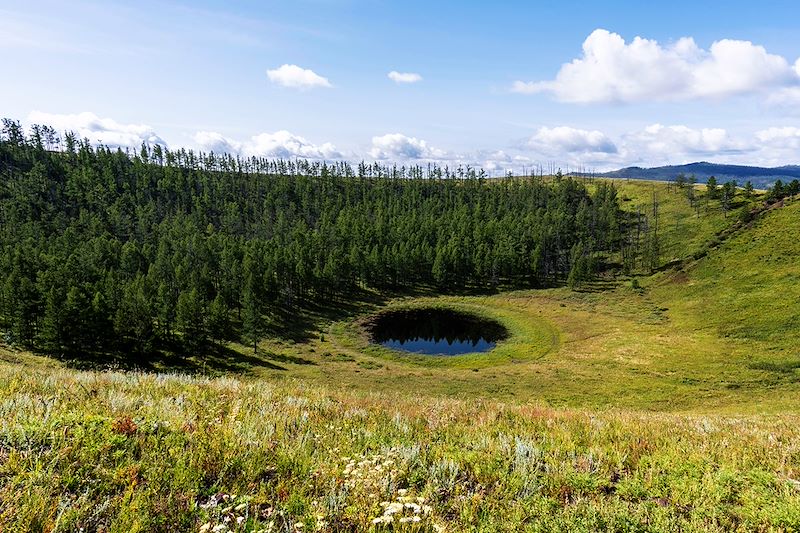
[394, 507]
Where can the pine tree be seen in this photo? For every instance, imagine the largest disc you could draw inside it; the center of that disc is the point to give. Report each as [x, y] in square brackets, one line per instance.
[748, 190]
[134, 320]
[190, 318]
[218, 318]
[711, 188]
[252, 320]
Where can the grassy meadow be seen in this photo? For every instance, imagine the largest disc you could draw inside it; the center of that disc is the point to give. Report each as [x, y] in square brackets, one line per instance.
[663, 401]
[148, 452]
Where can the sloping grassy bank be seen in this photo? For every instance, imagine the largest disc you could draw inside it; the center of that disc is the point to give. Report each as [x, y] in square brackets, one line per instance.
[135, 452]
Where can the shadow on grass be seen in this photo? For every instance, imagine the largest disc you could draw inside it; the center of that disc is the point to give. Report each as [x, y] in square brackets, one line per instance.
[304, 320]
[212, 358]
[300, 322]
[293, 359]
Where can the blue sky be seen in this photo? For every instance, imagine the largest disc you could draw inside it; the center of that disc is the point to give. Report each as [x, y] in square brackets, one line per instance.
[718, 81]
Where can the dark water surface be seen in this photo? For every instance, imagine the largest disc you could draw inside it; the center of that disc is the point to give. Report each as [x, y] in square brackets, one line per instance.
[435, 331]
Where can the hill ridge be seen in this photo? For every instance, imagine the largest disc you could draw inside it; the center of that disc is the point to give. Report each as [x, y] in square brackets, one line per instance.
[760, 177]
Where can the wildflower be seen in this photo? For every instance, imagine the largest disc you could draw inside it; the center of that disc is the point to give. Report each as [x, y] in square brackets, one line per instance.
[394, 507]
[205, 527]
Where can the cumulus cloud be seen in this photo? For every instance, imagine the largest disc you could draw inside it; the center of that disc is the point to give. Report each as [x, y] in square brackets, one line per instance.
[566, 140]
[786, 99]
[653, 145]
[656, 145]
[98, 130]
[297, 77]
[404, 77]
[396, 146]
[285, 144]
[211, 141]
[785, 137]
[281, 144]
[670, 143]
[779, 145]
[611, 70]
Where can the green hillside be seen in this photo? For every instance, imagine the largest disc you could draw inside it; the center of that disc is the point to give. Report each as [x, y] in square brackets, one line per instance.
[657, 391]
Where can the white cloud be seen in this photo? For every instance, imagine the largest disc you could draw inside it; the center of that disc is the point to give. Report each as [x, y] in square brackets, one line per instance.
[779, 145]
[393, 146]
[404, 77]
[611, 70]
[565, 146]
[787, 99]
[781, 138]
[297, 77]
[281, 144]
[679, 143]
[211, 141]
[285, 144]
[566, 140]
[772, 134]
[653, 145]
[98, 130]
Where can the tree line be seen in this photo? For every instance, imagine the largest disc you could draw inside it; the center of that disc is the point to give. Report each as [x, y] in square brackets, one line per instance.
[105, 250]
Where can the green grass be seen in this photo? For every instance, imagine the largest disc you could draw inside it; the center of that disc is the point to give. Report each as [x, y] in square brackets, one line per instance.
[133, 452]
[530, 337]
[712, 335]
[673, 406]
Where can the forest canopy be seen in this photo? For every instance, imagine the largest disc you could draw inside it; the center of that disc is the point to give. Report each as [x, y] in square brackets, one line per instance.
[111, 251]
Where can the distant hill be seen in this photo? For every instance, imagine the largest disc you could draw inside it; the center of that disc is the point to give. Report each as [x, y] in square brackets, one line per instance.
[761, 177]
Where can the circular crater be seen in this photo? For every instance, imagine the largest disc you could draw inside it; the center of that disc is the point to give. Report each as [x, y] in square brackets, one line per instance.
[434, 331]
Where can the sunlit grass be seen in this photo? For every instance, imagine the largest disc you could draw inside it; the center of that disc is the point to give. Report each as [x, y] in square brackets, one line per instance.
[133, 452]
[668, 407]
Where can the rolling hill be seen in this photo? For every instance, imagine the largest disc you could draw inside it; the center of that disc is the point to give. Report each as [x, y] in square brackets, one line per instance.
[649, 401]
[760, 177]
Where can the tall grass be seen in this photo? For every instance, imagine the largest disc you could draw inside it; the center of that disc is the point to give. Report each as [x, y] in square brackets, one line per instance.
[135, 452]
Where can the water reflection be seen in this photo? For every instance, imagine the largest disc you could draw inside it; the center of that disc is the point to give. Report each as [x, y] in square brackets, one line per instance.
[435, 331]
